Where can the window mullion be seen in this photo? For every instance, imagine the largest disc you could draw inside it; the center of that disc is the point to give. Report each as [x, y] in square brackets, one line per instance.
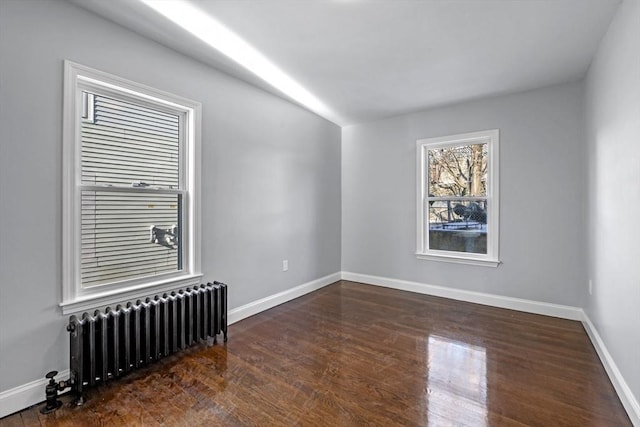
[129, 189]
[461, 198]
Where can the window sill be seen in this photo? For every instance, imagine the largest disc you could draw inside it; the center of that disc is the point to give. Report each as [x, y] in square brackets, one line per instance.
[459, 260]
[119, 296]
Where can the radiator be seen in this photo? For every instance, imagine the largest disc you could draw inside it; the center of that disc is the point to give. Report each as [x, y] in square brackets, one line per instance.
[111, 343]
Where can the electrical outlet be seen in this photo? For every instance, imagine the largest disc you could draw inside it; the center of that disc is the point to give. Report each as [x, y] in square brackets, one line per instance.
[285, 265]
[590, 287]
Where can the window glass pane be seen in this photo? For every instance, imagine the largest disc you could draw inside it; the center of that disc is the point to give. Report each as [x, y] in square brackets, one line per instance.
[129, 144]
[459, 170]
[117, 235]
[459, 226]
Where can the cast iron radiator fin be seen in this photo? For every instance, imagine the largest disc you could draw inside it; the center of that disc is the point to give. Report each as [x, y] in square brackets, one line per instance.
[111, 343]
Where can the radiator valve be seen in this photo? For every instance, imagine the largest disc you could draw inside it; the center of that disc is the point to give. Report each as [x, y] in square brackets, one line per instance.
[51, 392]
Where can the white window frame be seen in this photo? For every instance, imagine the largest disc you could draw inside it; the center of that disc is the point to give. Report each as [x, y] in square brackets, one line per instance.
[78, 78]
[491, 258]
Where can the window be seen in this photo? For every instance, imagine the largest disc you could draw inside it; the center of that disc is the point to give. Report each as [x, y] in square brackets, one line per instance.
[458, 198]
[131, 207]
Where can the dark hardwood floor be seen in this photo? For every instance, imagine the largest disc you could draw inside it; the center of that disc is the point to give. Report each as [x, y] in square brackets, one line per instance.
[352, 354]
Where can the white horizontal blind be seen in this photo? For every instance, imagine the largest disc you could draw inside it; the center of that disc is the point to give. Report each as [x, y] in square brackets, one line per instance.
[127, 143]
[131, 153]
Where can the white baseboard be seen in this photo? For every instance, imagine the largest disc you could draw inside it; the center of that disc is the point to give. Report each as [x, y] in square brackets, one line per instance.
[23, 396]
[26, 395]
[29, 394]
[627, 398]
[629, 401]
[547, 309]
[263, 304]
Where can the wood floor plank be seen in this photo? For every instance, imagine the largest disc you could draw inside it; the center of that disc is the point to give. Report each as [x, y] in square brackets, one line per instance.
[351, 354]
[14, 420]
[30, 419]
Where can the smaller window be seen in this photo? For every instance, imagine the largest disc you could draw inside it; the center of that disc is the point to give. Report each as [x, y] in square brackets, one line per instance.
[457, 201]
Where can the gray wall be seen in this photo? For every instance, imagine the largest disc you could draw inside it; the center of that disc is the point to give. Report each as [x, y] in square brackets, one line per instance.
[542, 193]
[272, 187]
[270, 179]
[613, 135]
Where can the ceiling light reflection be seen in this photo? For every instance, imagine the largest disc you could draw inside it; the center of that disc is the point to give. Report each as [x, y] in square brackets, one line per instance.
[216, 35]
[457, 381]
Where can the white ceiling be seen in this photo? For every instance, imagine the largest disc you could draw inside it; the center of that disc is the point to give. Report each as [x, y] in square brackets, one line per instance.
[368, 60]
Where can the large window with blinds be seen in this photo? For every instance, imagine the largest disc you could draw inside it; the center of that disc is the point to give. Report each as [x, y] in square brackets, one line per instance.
[131, 187]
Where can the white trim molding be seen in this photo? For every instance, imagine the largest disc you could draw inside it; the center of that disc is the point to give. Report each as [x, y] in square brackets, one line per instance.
[116, 296]
[458, 260]
[626, 396]
[629, 401]
[258, 306]
[26, 395]
[424, 199]
[519, 304]
[77, 80]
